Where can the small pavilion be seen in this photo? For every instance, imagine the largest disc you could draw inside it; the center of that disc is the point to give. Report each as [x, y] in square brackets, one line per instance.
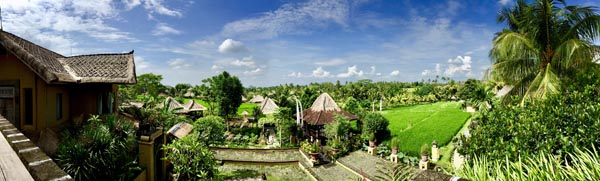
[268, 106]
[322, 112]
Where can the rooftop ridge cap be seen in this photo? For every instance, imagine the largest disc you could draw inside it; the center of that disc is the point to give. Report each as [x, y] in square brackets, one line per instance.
[99, 54]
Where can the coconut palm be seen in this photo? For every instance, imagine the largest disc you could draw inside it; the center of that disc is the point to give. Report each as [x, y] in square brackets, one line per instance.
[546, 42]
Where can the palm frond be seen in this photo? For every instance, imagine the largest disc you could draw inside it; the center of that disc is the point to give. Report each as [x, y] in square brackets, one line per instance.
[546, 82]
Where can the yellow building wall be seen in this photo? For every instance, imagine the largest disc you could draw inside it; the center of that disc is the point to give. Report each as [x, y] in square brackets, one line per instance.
[77, 99]
[12, 69]
[52, 120]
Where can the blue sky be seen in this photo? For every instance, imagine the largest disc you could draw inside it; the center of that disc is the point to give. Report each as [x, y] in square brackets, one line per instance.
[272, 42]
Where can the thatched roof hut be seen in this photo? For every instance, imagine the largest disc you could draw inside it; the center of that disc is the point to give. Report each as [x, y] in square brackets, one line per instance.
[244, 99]
[192, 105]
[268, 106]
[189, 93]
[323, 111]
[257, 99]
[173, 104]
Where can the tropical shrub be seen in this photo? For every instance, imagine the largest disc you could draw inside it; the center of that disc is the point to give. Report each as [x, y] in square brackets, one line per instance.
[210, 129]
[578, 165]
[394, 171]
[191, 159]
[339, 128]
[309, 147]
[556, 126]
[109, 145]
[375, 123]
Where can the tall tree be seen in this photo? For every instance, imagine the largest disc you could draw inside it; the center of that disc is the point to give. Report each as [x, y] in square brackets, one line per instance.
[181, 89]
[226, 91]
[546, 43]
[149, 84]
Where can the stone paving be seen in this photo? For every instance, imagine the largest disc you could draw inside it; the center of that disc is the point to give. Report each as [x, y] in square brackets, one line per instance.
[285, 172]
[257, 155]
[333, 171]
[360, 160]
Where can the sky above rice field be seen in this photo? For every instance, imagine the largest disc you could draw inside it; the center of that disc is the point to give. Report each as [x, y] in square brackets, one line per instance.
[272, 42]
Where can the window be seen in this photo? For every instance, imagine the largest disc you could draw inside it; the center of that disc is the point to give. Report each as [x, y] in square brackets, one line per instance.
[28, 106]
[99, 103]
[59, 106]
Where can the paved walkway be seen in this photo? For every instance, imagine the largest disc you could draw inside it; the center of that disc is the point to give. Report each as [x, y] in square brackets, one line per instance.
[11, 167]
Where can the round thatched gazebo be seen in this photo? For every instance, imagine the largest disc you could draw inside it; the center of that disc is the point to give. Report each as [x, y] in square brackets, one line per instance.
[322, 112]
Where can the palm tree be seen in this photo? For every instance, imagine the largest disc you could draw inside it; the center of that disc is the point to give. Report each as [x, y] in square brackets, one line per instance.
[546, 43]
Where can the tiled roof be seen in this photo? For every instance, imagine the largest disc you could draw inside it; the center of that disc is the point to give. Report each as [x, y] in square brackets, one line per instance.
[55, 68]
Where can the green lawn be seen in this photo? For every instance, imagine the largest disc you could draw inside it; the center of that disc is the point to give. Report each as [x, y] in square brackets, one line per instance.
[421, 124]
[244, 106]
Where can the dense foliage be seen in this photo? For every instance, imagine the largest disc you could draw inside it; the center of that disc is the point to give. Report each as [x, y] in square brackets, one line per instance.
[191, 159]
[210, 129]
[556, 125]
[109, 145]
[339, 128]
[374, 123]
[582, 165]
[545, 44]
[226, 91]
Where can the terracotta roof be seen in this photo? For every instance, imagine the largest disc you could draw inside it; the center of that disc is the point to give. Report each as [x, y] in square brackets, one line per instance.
[192, 105]
[56, 68]
[323, 111]
[268, 106]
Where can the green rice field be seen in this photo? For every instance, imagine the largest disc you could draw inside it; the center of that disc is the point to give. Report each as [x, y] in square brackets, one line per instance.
[421, 124]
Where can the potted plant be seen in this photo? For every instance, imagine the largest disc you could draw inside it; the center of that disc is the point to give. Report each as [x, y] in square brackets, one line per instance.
[335, 144]
[372, 140]
[311, 148]
[394, 145]
[424, 152]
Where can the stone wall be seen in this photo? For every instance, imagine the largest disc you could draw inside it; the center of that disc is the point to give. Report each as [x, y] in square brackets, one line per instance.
[39, 165]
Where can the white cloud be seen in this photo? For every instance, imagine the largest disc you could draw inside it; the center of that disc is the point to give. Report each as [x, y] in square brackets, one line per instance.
[256, 71]
[320, 73]
[437, 71]
[153, 6]
[178, 63]
[291, 18]
[216, 67]
[352, 71]
[504, 2]
[141, 63]
[452, 67]
[245, 62]
[164, 29]
[332, 62]
[395, 73]
[458, 65]
[230, 45]
[295, 74]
